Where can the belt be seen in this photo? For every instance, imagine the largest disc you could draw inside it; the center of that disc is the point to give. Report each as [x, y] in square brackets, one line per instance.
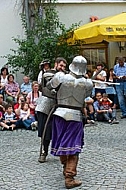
[120, 80]
[69, 106]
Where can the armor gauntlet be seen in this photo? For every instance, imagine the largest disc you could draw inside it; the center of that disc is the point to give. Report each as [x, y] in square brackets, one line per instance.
[49, 86]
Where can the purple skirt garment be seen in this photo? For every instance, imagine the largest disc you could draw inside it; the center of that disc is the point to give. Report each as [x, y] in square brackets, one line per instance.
[67, 137]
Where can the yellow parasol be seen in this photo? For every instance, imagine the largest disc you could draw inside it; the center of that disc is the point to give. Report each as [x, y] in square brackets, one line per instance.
[110, 29]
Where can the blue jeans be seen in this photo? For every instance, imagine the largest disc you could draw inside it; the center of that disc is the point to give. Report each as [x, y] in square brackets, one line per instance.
[121, 94]
[25, 123]
[110, 115]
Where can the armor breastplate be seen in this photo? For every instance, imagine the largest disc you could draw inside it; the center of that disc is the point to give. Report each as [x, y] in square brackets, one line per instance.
[44, 104]
[72, 92]
[48, 98]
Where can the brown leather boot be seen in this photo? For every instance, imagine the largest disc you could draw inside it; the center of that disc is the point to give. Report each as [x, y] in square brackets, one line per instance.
[70, 183]
[63, 160]
[71, 171]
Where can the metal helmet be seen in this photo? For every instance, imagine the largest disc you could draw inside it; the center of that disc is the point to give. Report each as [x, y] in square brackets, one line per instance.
[78, 65]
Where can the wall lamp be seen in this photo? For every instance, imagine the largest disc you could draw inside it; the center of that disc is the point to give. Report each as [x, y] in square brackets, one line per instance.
[121, 45]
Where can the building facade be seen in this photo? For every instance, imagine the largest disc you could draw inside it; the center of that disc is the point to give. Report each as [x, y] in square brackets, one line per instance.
[70, 12]
[73, 11]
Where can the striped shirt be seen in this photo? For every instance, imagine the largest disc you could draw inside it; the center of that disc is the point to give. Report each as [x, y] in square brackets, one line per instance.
[10, 117]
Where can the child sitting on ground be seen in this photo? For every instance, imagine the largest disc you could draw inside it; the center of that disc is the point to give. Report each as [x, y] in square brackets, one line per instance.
[9, 118]
[88, 111]
[25, 118]
[106, 105]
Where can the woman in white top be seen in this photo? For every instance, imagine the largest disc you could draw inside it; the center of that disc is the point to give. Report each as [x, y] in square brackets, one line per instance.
[3, 79]
[33, 96]
[100, 87]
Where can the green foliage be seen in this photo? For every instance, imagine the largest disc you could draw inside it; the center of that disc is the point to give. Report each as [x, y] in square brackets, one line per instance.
[47, 39]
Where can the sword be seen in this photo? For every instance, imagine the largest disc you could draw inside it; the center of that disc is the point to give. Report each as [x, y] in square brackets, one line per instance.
[104, 82]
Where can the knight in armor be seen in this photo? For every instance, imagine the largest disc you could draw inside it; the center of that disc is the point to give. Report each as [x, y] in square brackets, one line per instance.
[67, 126]
[44, 105]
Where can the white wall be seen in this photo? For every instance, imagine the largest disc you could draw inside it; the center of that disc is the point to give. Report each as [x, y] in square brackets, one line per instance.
[10, 26]
[72, 13]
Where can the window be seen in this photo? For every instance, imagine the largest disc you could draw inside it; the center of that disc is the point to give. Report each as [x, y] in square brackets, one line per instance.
[94, 54]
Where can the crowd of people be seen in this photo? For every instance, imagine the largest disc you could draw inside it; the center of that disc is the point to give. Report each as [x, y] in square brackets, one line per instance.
[17, 103]
[108, 94]
[60, 103]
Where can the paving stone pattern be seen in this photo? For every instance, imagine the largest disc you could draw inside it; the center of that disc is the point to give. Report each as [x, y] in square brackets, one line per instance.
[102, 164]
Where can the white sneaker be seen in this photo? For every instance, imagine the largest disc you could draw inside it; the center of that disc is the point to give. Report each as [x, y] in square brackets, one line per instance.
[36, 123]
[92, 121]
[115, 121]
[33, 126]
[1, 128]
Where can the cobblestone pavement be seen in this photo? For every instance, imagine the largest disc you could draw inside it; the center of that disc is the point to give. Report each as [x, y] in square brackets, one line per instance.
[102, 164]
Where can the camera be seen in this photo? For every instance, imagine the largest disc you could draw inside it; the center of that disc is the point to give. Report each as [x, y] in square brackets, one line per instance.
[22, 101]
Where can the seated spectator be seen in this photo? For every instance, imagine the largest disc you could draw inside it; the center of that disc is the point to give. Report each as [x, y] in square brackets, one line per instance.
[17, 106]
[33, 96]
[25, 119]
[12, 89]
[26, 87]
[89, 110]
[98, 113]
[2, 104]
[3, 79]
[9, 118]
[1, 116]
[109, 113]
[1, 89]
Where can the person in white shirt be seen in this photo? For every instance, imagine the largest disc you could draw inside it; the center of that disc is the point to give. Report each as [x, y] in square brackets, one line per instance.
[44, 66]
[100, 87]
[3, 76]
[3, 79]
